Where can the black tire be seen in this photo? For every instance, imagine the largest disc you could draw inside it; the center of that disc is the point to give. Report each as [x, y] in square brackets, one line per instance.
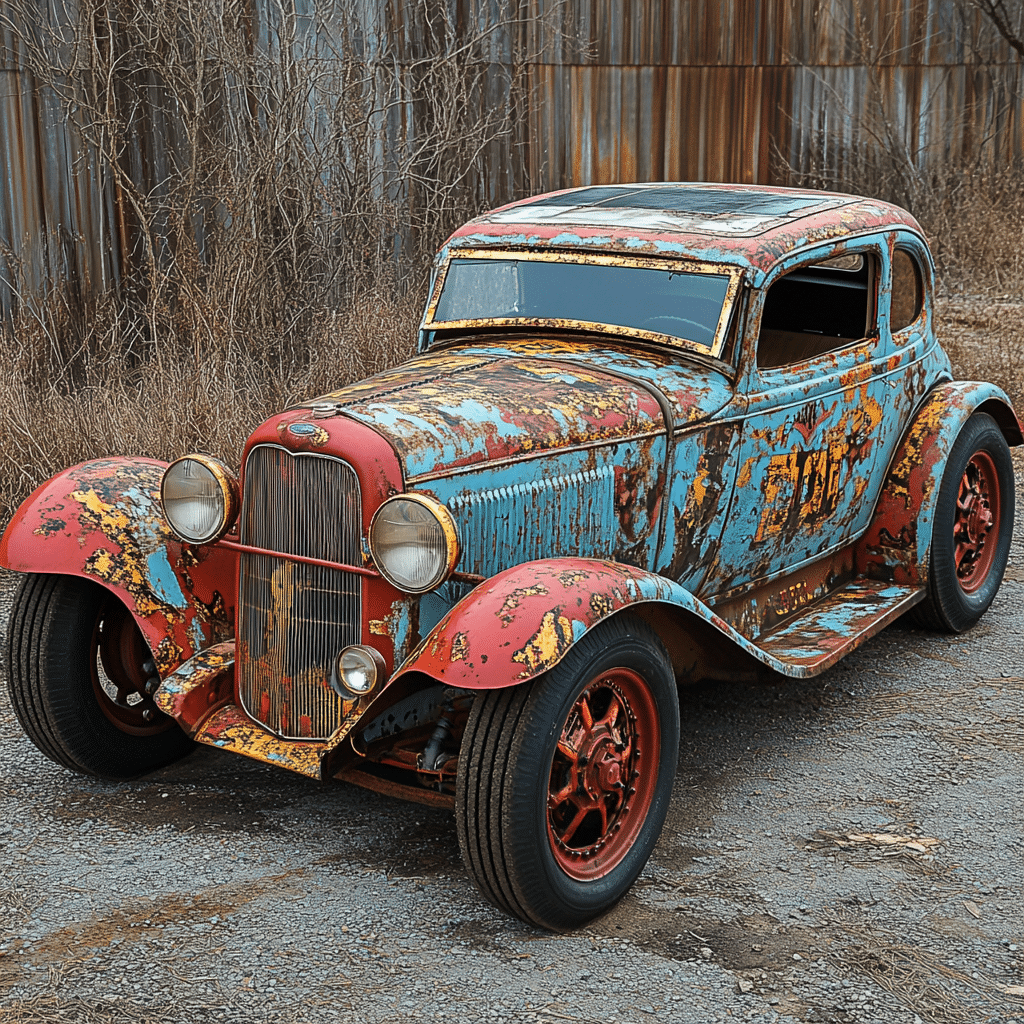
[75, 677]
[968, 556]
[546, 864]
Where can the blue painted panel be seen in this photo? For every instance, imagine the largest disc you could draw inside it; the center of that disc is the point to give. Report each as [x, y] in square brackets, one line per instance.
[595, 503]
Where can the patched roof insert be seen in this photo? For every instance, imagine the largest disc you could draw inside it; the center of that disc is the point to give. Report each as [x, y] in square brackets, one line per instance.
[672, 207]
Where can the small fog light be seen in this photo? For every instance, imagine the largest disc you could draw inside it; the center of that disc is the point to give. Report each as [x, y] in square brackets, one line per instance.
[358, 670]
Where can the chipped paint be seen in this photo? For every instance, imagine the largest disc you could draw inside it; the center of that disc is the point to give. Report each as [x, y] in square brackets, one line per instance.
[198, 688]
[543, 628]
[111, 529]
[897, 544]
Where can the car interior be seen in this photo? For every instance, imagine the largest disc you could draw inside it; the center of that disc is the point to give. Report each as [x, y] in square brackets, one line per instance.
[817, 309]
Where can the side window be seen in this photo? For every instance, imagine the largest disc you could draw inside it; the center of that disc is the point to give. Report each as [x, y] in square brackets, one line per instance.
[817, 309]
[907, 291]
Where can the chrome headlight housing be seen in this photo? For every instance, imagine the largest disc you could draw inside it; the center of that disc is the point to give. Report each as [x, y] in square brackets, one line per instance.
[414, 542]
[199, 495]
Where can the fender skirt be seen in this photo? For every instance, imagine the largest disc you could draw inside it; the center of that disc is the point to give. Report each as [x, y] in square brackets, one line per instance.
[897, 544]
[102, 520]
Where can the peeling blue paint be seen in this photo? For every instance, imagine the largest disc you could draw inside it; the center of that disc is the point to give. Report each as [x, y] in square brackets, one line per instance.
[164, 583]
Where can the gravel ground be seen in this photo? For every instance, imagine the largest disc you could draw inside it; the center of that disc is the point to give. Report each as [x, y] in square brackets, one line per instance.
[845, 849]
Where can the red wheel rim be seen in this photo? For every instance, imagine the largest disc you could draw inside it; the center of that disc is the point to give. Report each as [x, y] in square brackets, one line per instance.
[603, 774]
[118, 679]
[976, 526]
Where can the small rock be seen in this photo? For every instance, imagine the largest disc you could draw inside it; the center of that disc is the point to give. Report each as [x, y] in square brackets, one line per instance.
[744, 986]
[706, 952]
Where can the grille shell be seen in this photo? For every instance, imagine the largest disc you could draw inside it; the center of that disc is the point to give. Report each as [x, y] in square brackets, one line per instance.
[293, 619]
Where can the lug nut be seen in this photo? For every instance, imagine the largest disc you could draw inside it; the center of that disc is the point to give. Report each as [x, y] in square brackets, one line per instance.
[149, 667]
[152, 685]
[147, 715]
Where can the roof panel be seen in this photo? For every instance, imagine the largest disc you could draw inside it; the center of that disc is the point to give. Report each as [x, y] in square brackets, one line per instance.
[673, 208]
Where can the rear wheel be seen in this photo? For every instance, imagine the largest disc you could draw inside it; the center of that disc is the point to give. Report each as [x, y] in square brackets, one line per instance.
[564, 783]
[973, 528]
[76, 679]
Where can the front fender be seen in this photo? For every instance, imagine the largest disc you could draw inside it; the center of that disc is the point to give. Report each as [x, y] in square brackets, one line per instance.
[102, 520]
[897, 544]
[521, 623]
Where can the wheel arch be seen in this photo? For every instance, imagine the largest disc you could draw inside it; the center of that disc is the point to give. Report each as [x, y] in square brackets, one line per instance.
[522, 622]
[102, 521]
[897, 543]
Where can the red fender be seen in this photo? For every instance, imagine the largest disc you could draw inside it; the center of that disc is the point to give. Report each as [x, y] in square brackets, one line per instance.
[522, 622]
[102, 520]
[897, 544]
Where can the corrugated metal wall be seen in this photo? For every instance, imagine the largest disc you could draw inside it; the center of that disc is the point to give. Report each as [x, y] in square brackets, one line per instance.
[58, 220]
[733, 90]
[736, 90]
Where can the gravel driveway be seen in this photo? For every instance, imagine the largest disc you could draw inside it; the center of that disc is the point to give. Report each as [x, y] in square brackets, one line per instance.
[842, 849]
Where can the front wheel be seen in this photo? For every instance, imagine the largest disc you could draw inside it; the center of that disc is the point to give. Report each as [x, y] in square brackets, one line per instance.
[564, 783]
[972, 530]
[76, 679]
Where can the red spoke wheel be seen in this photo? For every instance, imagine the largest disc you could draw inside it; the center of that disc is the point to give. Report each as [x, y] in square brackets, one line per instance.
[972, 530]
[976, 521]
[76, 677]
[600, 791]
[564, 782]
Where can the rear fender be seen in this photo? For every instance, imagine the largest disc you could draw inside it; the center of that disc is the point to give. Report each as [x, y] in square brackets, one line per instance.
[103, 521]
[522, 622]
[897, 544]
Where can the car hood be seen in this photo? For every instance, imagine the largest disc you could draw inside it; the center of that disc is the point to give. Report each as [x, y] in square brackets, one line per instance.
[473, 405]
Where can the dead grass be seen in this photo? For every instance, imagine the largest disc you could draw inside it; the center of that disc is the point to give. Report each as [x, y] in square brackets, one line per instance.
[984, 336]
[173, 398]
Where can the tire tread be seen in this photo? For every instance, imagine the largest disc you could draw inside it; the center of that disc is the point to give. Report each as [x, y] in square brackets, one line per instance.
[50, 684]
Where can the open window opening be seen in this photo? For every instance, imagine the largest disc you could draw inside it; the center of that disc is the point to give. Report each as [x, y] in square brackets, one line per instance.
[907, 291]
[818, 309]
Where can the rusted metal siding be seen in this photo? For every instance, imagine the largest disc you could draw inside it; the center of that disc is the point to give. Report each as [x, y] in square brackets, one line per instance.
[730, 90]
[593, 125]
[59, 218]
[716, 90]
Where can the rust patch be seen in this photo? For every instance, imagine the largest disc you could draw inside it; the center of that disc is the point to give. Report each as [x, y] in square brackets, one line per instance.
[548, 644]
[513, 600]
[167, 655]
[460, 647]
[49, 526]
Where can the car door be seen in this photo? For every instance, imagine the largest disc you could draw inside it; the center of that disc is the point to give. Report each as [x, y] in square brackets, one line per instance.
[827, 405]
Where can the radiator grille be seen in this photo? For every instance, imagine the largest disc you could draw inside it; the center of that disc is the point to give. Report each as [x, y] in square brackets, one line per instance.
[559, 516]
[293, 619]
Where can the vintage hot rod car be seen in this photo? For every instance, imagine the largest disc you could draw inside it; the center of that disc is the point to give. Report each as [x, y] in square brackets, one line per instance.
[654, 433]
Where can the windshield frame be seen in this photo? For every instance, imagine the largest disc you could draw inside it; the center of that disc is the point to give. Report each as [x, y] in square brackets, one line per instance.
[689, 266]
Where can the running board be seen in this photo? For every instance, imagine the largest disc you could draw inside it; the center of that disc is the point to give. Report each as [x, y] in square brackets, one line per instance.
[816, 640]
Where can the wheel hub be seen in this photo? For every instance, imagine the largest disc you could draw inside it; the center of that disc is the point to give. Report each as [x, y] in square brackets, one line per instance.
[119, 676]
[594, 810]
[977, 515]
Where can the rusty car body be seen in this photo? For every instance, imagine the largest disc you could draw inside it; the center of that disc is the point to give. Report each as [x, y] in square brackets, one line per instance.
[653, 433]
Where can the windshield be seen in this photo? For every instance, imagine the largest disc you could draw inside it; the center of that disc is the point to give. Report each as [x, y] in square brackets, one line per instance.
[681, 304]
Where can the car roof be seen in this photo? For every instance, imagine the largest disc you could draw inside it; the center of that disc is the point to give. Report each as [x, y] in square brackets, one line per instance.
[746, 225]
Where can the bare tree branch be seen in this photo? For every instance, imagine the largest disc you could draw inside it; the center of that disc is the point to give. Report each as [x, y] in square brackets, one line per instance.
[996, 11]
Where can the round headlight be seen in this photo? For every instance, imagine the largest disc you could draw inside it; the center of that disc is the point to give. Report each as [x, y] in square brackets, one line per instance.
[358, 670]
[200, 498]
[414, 542]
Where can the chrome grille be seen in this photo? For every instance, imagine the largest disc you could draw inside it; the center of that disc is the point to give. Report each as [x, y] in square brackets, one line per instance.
[293, 619]
[560, 516]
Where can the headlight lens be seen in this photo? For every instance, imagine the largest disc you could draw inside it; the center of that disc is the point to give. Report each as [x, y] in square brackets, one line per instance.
[200, 498]
[358, 670]
[414, 542]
